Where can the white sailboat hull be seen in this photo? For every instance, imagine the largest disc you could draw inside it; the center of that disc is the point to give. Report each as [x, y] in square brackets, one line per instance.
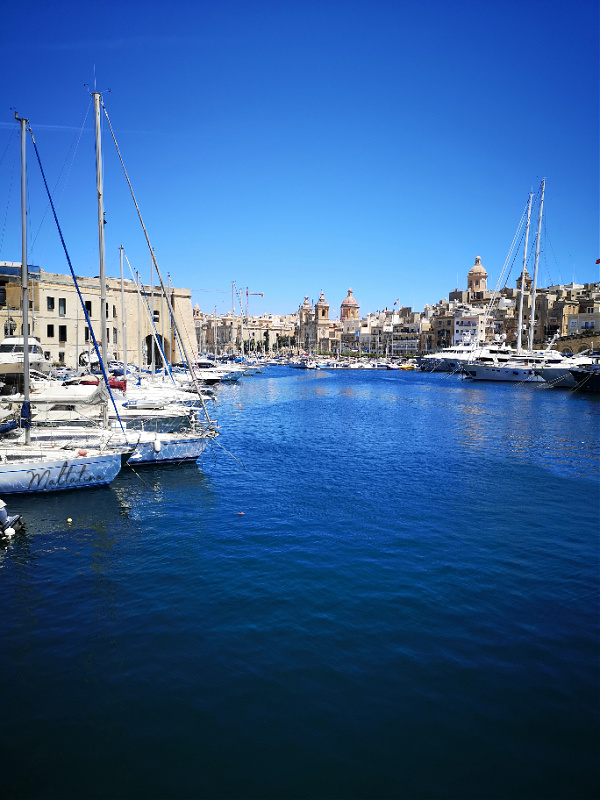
[43, 473]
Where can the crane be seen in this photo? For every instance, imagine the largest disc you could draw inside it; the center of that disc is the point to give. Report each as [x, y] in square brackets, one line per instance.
[258, 294]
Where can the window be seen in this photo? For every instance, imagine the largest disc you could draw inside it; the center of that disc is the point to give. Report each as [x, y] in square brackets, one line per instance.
[2, 294]
[61, 357]
[157, 316]
[88, 307]
[114, 311]
[50, 303]
[114, 336]
[86, 334]
[62, 333]
[50, 331]
[47, 355]
[62, 306]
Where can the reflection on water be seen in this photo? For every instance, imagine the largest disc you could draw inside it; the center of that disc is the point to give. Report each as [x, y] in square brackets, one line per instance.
[370, 595]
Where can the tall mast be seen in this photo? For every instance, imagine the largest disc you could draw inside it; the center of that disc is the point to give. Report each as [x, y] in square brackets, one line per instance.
[152, 344]
[162, 332]
[522, 294]
[97, 96]
[215, 331]
[24, 271]
[171, 312]
[535, 269]
[139, 316]
[123, 317]
[242, 324]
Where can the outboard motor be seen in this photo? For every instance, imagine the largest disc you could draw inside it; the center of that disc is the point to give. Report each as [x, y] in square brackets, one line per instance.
[8, 524]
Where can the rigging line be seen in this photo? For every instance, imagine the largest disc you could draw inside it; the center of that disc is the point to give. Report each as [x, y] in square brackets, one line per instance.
[152, 255]
[181, 350]
[12, 172]
[228, 453]
[156, 339]
[88, 320]
[74, 148]
[552, 249]
[10, 138]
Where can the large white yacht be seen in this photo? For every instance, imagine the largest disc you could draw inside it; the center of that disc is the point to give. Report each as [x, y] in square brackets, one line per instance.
[11, 356]
[524, 367]
[453, 359]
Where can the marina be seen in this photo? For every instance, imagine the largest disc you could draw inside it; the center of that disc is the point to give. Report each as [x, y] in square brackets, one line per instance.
[300, 402]
[395, 594]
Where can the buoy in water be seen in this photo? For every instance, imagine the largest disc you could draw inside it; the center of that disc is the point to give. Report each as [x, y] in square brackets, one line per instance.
[69, 520]
[240, 513]
[239, 405]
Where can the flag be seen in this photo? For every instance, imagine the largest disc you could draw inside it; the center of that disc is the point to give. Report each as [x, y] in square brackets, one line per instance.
[598, 261]
[398, 300]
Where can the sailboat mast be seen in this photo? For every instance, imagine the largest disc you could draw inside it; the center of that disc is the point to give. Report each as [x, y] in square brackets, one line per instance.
[171, 306]
[24, 271]
[522, 294]
[152, 308]
[535, 269]
[242, 324]
[139, 316]
[99, 188]
[123, 317]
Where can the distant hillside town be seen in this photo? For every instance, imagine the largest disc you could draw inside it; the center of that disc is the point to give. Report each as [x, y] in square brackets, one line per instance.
[139, 316]
[568, 313]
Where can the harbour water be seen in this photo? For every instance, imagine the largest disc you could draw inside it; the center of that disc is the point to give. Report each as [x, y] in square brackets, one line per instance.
[396, 596]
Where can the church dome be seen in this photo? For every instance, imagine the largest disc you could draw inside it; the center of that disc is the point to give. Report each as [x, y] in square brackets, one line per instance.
[350, 301]
[478, 268]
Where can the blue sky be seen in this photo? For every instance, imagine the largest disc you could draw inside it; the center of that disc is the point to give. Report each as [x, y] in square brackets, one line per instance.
[295, 147]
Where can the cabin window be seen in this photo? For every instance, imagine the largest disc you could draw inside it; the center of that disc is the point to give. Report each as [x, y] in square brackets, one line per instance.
[62, 306]
[50, 303]
[50, 331]
[88, 307]
[62, 333]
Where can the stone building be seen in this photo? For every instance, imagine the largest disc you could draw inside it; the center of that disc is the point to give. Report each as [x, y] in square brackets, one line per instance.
[57, 319]
[349, 308]
[316, 332]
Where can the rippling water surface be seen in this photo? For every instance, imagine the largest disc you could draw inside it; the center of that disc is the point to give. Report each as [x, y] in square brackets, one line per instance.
[407, 606]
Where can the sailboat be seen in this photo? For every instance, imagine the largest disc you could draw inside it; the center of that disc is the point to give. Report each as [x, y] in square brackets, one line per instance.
[33, 467]
[520, 366]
